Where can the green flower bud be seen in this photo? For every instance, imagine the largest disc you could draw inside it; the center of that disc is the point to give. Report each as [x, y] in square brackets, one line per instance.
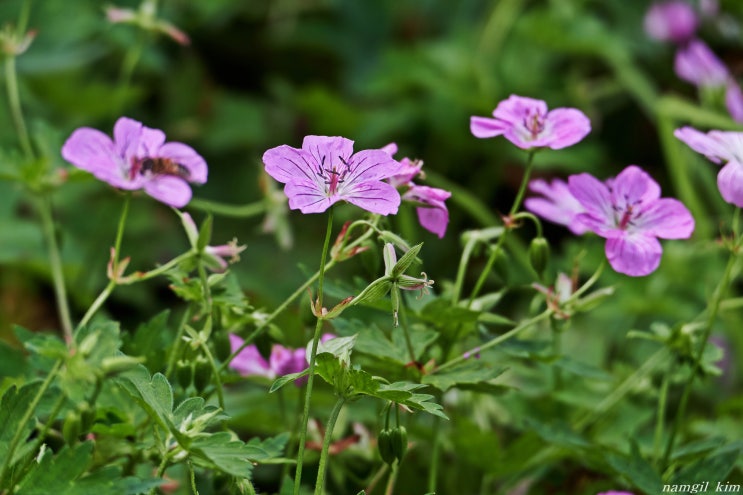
[87, 416]
[184, 373]
[202, 373]
[399, 441]
[71, 428]
[221, 340]
[539, 254]
[384, 444]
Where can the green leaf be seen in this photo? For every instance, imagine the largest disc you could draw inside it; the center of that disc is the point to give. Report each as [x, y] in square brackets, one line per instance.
[233, 456]
[283, 380]
[64, 474]
[472, 375]
[155, 395]
[13, 406]
[557, 433]
[340, 347]
[150, 340]
[636, 469]
[713, 467]
[373, 341]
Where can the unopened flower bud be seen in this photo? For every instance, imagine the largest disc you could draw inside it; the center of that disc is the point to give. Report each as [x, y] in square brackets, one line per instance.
[184, 373]
[539, 254]
[384, 444]
[202, 373]
[71, 428]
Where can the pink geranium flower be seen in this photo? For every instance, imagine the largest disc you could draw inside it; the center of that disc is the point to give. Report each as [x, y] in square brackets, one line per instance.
[631, 215]
[138, 158]
[720, 147]
[674, 21]
[432, 212]
[282, 361]
[557, 204]
[325, 170]
[696, 63]
[527, 124]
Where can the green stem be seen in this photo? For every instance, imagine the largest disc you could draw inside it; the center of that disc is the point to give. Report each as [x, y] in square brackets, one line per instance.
[313, 354]
[225, 210]
[713, 309]
[114, 264]
[392, 480]
[405, 332]
[127, 70]
[622, 389]
[435, 454]
[462, 269]
[514, 208]
[177, 342]
[322, 468]
[215, 371]
[16, 112]
[301, 290]
[55, 262]
[556, 352]
[21, 426]
[661, 414]
[498, 340]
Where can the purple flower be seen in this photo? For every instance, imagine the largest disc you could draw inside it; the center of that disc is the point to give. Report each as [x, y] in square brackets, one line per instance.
[214, 256]
[673, 21]
[325, 170]
[631, 215]
[249, 361]
[558, 205]
[720, 147]
[527, 124]
[138, 158]
[284, 361]
[697, 64]
[432, 212]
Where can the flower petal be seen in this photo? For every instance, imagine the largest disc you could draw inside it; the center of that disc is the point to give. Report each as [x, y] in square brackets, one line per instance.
[286, 164]
[150, 142]
[633, 185]
[433, 217]
[594, 196]
[734, 101]
[374, 196]
[558, 205]
[485, 127]
[168, 189]
[730, 183]
[696, 63]
[516, 108]
[666, 218]
[249, 361]
[370, 165]
[700, 142]
[635, 255]
[307, 197]
[565, 127]
[186, 156]
[127, 135]
[93, 151]
[330, 152]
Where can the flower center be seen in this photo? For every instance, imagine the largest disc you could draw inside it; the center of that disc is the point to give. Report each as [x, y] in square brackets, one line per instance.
[332, 176]
[534, 123]
[626, 214]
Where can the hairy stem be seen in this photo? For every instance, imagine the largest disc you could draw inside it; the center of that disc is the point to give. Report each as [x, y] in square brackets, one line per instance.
[322, 468]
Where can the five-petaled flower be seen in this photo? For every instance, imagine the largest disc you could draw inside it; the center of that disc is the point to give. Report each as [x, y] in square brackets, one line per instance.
[720, 147]
[557, 204]
[326, 170]
[527, 124]
[138, 158]
[432, 212]
[631, 215]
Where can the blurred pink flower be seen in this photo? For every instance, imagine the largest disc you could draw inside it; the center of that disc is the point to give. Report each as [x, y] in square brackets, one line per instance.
[432, 212]
[527, 124]
[557, 204]
[734, 100]
[720, 147]
[138, 158]
[631, 215]
[674, 20]
[696, 63]
[325, 170]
